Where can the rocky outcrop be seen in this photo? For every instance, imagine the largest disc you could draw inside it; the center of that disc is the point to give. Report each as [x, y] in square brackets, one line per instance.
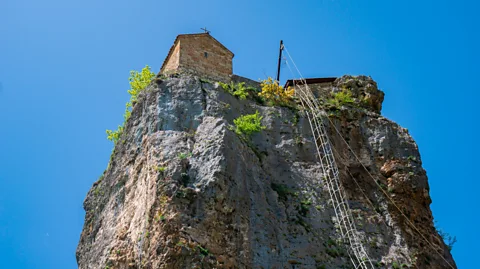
[363, 89]
[182, 190]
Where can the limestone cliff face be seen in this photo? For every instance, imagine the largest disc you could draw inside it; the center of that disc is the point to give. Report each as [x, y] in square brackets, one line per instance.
[182, 190]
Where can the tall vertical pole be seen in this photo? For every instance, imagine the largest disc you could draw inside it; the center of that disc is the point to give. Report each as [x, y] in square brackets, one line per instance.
[279, 61]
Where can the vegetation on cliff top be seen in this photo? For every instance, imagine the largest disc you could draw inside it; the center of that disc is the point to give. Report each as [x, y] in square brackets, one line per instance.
[239, 90]
[341, 98]
[271, 93]
[138, 82]
[275, 94]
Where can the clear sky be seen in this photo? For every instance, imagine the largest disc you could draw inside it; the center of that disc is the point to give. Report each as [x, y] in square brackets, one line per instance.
[63, 79]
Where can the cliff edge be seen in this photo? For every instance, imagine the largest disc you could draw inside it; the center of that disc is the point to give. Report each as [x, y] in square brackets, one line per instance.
[183, 190]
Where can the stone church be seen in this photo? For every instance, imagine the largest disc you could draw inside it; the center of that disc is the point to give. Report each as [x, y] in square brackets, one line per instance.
[201, 54]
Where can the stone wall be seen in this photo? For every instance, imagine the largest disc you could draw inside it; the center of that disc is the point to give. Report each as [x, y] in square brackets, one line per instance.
[205, 55]
[200, 54]
[174, 60]
[320, 90]
[248, 82]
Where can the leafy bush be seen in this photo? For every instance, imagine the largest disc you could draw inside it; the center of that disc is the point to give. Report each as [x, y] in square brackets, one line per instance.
[115, 135]
[138, 82]
[160, 169]
[248, 124]
[341, 98]
[276, 94]
[239, 90]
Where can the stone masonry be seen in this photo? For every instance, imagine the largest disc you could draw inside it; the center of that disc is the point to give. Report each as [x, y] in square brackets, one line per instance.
[201, 54]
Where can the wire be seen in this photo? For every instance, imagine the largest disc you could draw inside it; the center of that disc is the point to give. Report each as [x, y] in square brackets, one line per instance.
[388, 196]
[371, 176]
[346, 223]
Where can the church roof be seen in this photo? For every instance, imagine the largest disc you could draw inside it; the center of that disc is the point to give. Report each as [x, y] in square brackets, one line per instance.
[191, 35]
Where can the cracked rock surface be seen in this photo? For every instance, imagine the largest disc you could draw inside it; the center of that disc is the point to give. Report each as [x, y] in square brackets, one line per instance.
[182, 190]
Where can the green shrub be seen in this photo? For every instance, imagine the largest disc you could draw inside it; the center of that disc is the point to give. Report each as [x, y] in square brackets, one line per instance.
[239, 90]
[160, 169]
[115, 135]
[138, 82]
[248, 124]
[341, 98]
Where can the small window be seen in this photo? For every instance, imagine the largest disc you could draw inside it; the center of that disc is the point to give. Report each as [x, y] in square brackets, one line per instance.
[205, 54]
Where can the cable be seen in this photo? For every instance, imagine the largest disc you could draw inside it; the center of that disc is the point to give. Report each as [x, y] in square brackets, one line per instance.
[344, 219]
[365, 168]
[388, 196]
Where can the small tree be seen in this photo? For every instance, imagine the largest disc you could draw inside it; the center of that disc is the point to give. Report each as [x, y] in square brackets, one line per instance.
[276, 94]
[138, 82]
[115, 135]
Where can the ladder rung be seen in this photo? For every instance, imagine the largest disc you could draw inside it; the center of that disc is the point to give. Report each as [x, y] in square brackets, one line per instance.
[331, 179]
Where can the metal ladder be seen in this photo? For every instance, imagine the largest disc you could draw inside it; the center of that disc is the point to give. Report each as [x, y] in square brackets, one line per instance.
[343, 216]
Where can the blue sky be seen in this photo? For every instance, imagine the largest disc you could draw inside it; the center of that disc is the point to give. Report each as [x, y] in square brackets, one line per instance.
[63, 79]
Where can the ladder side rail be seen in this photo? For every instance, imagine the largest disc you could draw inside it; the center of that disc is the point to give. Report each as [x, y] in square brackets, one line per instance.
[330, 182]
[330, 160]
[342, 213]
[344, 219]
[347, 219]
[342, 210]
[325, 172]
